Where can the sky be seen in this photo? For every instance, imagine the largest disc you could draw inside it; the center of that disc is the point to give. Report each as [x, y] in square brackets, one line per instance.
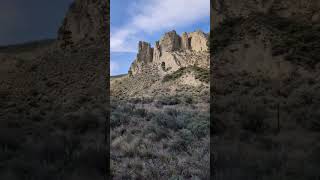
[28, 20]
[147, 20]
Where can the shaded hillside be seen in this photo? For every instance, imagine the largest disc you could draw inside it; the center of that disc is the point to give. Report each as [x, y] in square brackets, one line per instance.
[264, 90]
[54, 105]
[28, 46]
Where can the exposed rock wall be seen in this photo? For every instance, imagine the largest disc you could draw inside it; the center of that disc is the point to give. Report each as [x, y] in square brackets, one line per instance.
[185, 43]
[145, 53]
[172, 52]
[171, 41]
[157, 52]
[198, 41]
[85, 23]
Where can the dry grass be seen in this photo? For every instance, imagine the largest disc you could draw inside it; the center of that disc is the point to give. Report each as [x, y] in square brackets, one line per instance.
[159, 139]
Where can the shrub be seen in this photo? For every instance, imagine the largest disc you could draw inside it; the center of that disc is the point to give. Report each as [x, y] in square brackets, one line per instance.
[199, 127]
[226, 31]
[167, 121]
[200, 73]
[79, 123]
[183, 139]
[171, 111]
[188, 100]
[175, 75]
[140, 112]
[118, 118]
[166, 100]
[254, 119]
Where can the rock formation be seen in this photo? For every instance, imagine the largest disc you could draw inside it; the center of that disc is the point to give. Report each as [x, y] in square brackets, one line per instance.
[172, 52]
[198, 41]
[171, 41]
[185, 43]
[156, 52]
[145, 52]
[85, 23]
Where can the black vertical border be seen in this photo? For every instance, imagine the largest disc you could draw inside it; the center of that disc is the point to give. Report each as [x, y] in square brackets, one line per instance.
[107, 124]
[211, 94]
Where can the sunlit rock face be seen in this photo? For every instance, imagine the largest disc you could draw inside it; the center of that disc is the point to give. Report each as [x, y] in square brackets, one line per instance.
[171, 53]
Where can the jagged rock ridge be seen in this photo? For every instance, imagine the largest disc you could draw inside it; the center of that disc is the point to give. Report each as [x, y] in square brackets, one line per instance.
[172, 52]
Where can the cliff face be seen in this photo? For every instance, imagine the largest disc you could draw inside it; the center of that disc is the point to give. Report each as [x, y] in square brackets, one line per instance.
[85, 23]
[172, 52]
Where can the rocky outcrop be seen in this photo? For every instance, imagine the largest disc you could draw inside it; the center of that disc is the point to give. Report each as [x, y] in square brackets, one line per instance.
[156, 52]
[185, 43]
[85, 23]
[145, 53]
[171, 41]
[144, 56]
[198, 41]
[172, 52]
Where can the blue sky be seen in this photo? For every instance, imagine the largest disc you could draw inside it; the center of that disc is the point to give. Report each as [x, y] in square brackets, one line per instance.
[147, 20]
[23, 21]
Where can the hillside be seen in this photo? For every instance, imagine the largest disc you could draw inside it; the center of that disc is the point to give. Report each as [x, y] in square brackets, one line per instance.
[160, 111]
[174, 64]
[265, 89]
[53, 102]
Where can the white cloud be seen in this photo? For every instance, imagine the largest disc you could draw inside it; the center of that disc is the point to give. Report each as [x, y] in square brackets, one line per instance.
[155, 15]
[122, 40]
[114, 67]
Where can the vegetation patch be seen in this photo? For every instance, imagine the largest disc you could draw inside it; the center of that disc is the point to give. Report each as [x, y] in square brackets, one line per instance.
[299, 42]
[224, 34]
[200, 73]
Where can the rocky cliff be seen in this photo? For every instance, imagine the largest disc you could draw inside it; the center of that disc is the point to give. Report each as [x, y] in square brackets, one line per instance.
[172, 52]
[85, 23]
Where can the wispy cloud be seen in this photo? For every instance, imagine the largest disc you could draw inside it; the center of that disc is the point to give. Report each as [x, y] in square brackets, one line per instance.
[150, 16]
